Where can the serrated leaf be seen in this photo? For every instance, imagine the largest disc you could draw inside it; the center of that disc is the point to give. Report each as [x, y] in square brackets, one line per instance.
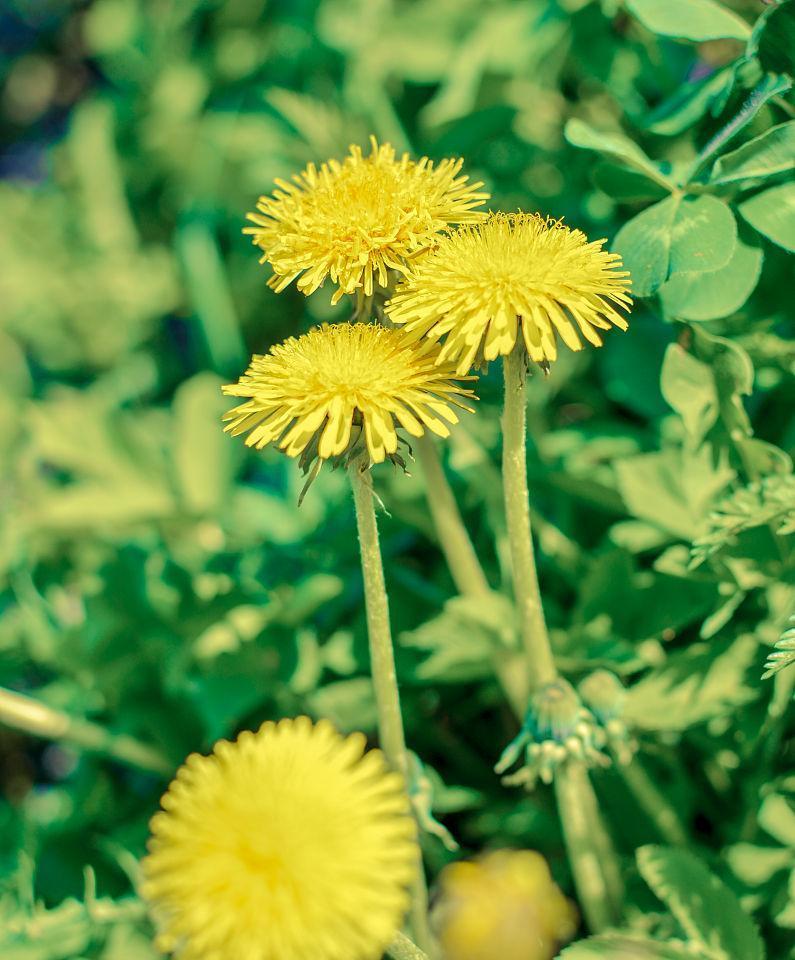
[709, 913]
[694, 685]
[772, 213]
[714, 293]
[766, 155]
[695, 20]
[618, 946]
[773, 39]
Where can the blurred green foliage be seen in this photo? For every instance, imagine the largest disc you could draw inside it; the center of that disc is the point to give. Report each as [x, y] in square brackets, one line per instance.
[163, 584]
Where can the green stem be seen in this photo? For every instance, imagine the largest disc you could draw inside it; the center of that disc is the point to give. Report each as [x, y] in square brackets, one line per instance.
[37, 719]
[593, 859]
[517, 511]
[382, 664]
[589, 847]
[402, 948]
[654, 803]
[464, 566]
[462, 561]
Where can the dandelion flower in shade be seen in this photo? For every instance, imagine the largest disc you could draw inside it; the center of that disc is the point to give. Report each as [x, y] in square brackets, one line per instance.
[514, 276]
[290, 843]
[354, 221]
[504, 905]
[342, 387]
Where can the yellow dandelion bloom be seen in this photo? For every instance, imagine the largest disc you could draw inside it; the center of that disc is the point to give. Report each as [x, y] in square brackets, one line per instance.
[340, 387]
[504, 905]
[483, 284]
[289, 843]
[356, 220]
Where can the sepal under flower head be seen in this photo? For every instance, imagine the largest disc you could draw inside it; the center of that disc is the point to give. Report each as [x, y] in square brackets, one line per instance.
[289, 843]
[604, 695]
[556, 729]
[344, 390]
[514, 277]
[502, 906]
[356, 221]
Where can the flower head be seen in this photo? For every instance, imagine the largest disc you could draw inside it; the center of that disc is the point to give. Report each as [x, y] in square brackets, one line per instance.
[341, 387]
[356, 220]
[504, 905]
[286, 844]
[514, 275]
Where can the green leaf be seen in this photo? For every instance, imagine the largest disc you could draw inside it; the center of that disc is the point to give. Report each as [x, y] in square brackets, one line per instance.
[689, 387]
[464, 638]
[677, 234]
[644, 244]
[618, 946]
[706, 909]
[703, 236]
[616, 145]
[766, 155]
[777, 817]
[624, 185]
[672, 488]
[773, 40]
[690, 102]
[695, 20]
[714, 293]
[772, 213]
[755, 865]
[694, 685]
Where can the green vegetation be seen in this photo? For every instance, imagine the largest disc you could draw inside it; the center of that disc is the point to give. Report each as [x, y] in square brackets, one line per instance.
[160, 588]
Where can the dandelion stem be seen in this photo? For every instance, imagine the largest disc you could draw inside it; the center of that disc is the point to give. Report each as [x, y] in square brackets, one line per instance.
[517, 510]
[462, 561]
[402, 948]
[590, 849]
[382, 665]
[39, 720]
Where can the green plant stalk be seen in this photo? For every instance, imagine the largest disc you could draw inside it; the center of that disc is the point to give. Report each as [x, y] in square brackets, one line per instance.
[382, 665]
[464, 566]
[590, 850]
[593, 859]
[37, 719]
[402, 948]
[654, 803]
[462, 561]
[527, 593]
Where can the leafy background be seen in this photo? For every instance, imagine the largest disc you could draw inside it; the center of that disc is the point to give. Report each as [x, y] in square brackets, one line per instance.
[163, 585]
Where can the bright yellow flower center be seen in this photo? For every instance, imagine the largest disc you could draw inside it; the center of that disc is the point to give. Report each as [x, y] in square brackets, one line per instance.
[484, 284]
[356, 220]
[340, 385]
[289, 843]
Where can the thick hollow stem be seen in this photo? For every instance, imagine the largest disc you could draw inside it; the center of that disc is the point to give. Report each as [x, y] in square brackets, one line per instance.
[37, 719]
[382, 664]
[589, 847]
[462, 561]
[517, 511]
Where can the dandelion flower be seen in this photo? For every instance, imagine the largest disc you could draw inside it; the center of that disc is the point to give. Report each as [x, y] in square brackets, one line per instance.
[503, 905]
[356, 220]
[339, 387]
[483, 284]
[289, 843]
